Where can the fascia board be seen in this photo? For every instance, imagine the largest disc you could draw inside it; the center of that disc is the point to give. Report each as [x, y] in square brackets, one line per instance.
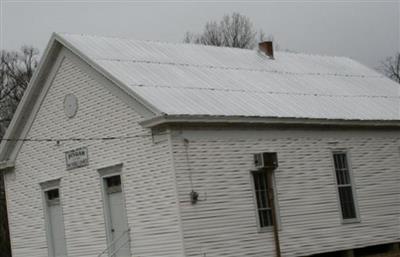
[192, 119]
[25, 106]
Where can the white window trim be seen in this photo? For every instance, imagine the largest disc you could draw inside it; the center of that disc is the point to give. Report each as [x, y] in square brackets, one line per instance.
[276, 203]
[345, 151]
[47, 186]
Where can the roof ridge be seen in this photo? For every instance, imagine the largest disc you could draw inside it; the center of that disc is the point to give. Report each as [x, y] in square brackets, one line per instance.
[203, 46]
[155, 41]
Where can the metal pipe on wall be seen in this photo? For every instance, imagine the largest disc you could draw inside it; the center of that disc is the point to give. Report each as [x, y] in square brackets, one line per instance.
[271, 200]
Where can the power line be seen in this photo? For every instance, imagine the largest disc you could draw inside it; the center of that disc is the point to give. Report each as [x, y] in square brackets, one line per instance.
[78, 139]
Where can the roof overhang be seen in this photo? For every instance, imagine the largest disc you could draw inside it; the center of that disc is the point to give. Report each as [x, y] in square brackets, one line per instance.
[208, 119]
[25, 107]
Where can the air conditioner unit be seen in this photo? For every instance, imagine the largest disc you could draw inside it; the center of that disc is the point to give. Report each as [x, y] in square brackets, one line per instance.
[267, 160]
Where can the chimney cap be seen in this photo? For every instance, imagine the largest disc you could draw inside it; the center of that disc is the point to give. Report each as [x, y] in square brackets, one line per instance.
[267, 48]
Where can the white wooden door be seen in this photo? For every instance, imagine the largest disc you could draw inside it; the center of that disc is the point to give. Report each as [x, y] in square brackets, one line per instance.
[117, 219]
[56, 224]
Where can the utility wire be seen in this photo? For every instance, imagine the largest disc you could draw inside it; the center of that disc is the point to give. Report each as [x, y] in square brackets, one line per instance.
[78, 138]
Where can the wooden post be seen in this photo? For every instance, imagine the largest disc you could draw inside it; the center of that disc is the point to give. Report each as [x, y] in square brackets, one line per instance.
[273, 210]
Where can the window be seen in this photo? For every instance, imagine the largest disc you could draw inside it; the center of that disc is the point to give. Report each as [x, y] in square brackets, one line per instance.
[113, 183]
[345, 188]
[264, 210]
[53, 195]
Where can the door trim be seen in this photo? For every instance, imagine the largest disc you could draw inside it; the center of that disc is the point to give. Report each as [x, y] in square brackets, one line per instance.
[106, 172]
[47, 186]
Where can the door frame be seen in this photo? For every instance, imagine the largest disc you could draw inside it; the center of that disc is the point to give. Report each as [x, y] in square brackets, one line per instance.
[106, 172]
[47, 186]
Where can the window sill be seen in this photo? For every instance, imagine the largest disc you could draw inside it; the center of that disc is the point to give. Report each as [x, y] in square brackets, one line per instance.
[351, 221]
[267, 229]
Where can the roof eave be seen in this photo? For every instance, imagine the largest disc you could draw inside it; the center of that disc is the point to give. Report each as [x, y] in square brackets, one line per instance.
[208, 119]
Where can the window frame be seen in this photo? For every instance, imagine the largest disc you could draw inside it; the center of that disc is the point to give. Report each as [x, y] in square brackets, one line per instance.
[256, 209]
[346, 152]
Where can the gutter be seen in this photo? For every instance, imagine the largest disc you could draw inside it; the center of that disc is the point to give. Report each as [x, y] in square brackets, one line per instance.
[209, 119]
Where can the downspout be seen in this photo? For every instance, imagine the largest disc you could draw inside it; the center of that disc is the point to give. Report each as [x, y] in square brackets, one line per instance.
[271, 199]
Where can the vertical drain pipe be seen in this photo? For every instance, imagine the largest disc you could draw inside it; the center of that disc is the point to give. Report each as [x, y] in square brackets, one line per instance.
[273, 210]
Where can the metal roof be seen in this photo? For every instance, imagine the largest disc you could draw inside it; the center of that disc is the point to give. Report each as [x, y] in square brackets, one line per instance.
[185, 79]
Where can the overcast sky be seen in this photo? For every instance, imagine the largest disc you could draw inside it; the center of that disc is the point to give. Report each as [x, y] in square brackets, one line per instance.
[366, 31]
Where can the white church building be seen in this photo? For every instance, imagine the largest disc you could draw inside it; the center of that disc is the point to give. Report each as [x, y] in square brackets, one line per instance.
[147, 149]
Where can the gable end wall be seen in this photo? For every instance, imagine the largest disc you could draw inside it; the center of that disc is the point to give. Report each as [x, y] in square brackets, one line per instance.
[146, 172]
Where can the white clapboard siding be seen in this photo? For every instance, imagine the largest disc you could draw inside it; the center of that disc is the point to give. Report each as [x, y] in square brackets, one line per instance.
[223, 222]
[146, 173]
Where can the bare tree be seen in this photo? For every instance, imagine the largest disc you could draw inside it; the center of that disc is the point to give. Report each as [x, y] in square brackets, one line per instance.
[233, 30]
[16, 69]
[391, 67]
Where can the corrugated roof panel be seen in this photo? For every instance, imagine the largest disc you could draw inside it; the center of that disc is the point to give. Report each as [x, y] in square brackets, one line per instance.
[177, 76]
[191, 102]
[108, 48]
[204, 80]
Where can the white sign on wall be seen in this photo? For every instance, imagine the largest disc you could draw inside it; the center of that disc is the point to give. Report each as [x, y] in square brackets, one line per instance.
[77, 158]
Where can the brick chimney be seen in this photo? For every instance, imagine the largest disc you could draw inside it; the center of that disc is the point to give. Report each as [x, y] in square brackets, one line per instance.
[267, 48]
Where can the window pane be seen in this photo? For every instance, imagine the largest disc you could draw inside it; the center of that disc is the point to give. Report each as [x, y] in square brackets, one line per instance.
[265, 218]
[344, 186]
[343, 177]
[261, 181]
[265, 188]
[52, 194]
[347, 202]
[261, 190]
[342, 171]
[259, 201]
[113, 181]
